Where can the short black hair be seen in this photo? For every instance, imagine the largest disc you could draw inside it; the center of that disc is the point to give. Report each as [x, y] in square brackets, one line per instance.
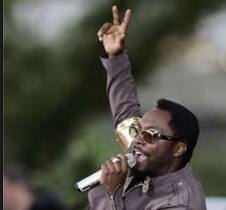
[183, 123]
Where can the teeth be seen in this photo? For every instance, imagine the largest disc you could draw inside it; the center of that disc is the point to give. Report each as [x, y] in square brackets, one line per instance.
[138, 153]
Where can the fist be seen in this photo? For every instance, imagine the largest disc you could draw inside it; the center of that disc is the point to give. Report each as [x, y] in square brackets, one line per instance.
[113, 172]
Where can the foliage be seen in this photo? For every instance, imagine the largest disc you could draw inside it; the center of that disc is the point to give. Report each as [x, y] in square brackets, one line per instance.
[51, 92]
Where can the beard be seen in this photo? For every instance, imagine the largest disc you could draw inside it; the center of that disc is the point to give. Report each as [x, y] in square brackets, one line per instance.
[150, 164]
[138, 174]
[152, 168]
[149, 169]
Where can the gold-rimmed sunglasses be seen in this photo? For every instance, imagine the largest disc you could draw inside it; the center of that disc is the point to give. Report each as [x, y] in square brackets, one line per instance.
[151, 135]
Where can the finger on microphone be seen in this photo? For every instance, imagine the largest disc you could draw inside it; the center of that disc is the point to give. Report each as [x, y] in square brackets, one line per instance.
[117, 163]
[115, 159]
[104, 174]
[117, 166]
[104, 170]
[124, 164]
[110, 166]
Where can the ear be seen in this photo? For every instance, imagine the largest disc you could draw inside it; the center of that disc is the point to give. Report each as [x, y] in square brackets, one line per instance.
[179, 149]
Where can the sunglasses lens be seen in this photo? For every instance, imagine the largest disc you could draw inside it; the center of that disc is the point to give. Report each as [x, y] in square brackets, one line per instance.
[147, 137]
[155, 137]
[150, 138]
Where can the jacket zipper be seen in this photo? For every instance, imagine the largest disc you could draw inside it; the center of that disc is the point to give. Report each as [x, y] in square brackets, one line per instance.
[113, 202]
[112, 198]
[124, 194]
[135, 186]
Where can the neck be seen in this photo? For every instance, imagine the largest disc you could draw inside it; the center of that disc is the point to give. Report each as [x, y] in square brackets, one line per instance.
[170, 168]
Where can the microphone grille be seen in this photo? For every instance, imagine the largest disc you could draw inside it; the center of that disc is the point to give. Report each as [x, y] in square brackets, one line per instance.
[131, 160]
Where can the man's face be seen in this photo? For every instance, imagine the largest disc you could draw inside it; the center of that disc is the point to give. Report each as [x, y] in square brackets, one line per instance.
[154, 158]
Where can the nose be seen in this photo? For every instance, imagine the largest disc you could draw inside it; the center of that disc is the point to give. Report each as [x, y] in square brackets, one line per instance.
[138, 140]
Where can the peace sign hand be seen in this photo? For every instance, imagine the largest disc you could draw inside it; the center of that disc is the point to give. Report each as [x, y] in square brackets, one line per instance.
[113, 35]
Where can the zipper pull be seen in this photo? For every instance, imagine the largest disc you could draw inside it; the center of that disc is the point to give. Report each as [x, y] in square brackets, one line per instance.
[145, 185]
[113, 203]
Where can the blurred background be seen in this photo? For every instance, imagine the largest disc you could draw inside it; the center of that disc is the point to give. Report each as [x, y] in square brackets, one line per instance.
[57, 121]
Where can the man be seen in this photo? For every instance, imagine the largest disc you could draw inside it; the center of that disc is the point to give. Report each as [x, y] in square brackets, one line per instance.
[163, 143]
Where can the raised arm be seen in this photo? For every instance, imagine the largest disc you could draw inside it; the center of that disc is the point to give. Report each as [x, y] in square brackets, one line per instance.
[120, 82]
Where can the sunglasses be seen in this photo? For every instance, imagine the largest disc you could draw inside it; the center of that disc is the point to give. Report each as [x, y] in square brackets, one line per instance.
[150, 136]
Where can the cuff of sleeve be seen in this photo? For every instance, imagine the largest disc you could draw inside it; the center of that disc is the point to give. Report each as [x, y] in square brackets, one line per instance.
[122, 134]
[98, 195]
[115, 64]
[99, 190]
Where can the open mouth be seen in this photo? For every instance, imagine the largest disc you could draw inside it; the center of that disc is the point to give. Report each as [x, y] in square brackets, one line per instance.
[139, 155]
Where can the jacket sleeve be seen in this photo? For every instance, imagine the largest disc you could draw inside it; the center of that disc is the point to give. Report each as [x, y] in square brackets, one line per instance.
[120, 88]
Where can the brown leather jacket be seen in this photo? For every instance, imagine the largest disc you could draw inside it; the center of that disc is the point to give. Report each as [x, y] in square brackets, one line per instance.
[180, 190]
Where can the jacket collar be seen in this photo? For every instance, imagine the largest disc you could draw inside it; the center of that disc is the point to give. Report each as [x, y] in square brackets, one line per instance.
[160, 180]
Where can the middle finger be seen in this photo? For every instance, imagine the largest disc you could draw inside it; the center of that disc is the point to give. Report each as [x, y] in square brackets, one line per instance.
[126, 19]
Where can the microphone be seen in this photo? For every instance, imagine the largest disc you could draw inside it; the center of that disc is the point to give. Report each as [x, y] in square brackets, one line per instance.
[94, 179]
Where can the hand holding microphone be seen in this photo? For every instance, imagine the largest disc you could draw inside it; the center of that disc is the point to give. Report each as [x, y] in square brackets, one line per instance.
[112, 173]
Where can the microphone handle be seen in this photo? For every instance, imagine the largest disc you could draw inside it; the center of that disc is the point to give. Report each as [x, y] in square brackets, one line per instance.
[94, 179]
[88, 182]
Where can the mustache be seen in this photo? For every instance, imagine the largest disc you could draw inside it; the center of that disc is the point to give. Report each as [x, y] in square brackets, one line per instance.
[134, 148]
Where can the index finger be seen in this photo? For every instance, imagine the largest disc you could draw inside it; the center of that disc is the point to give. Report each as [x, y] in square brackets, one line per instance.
[116, 17]
[126, 19]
